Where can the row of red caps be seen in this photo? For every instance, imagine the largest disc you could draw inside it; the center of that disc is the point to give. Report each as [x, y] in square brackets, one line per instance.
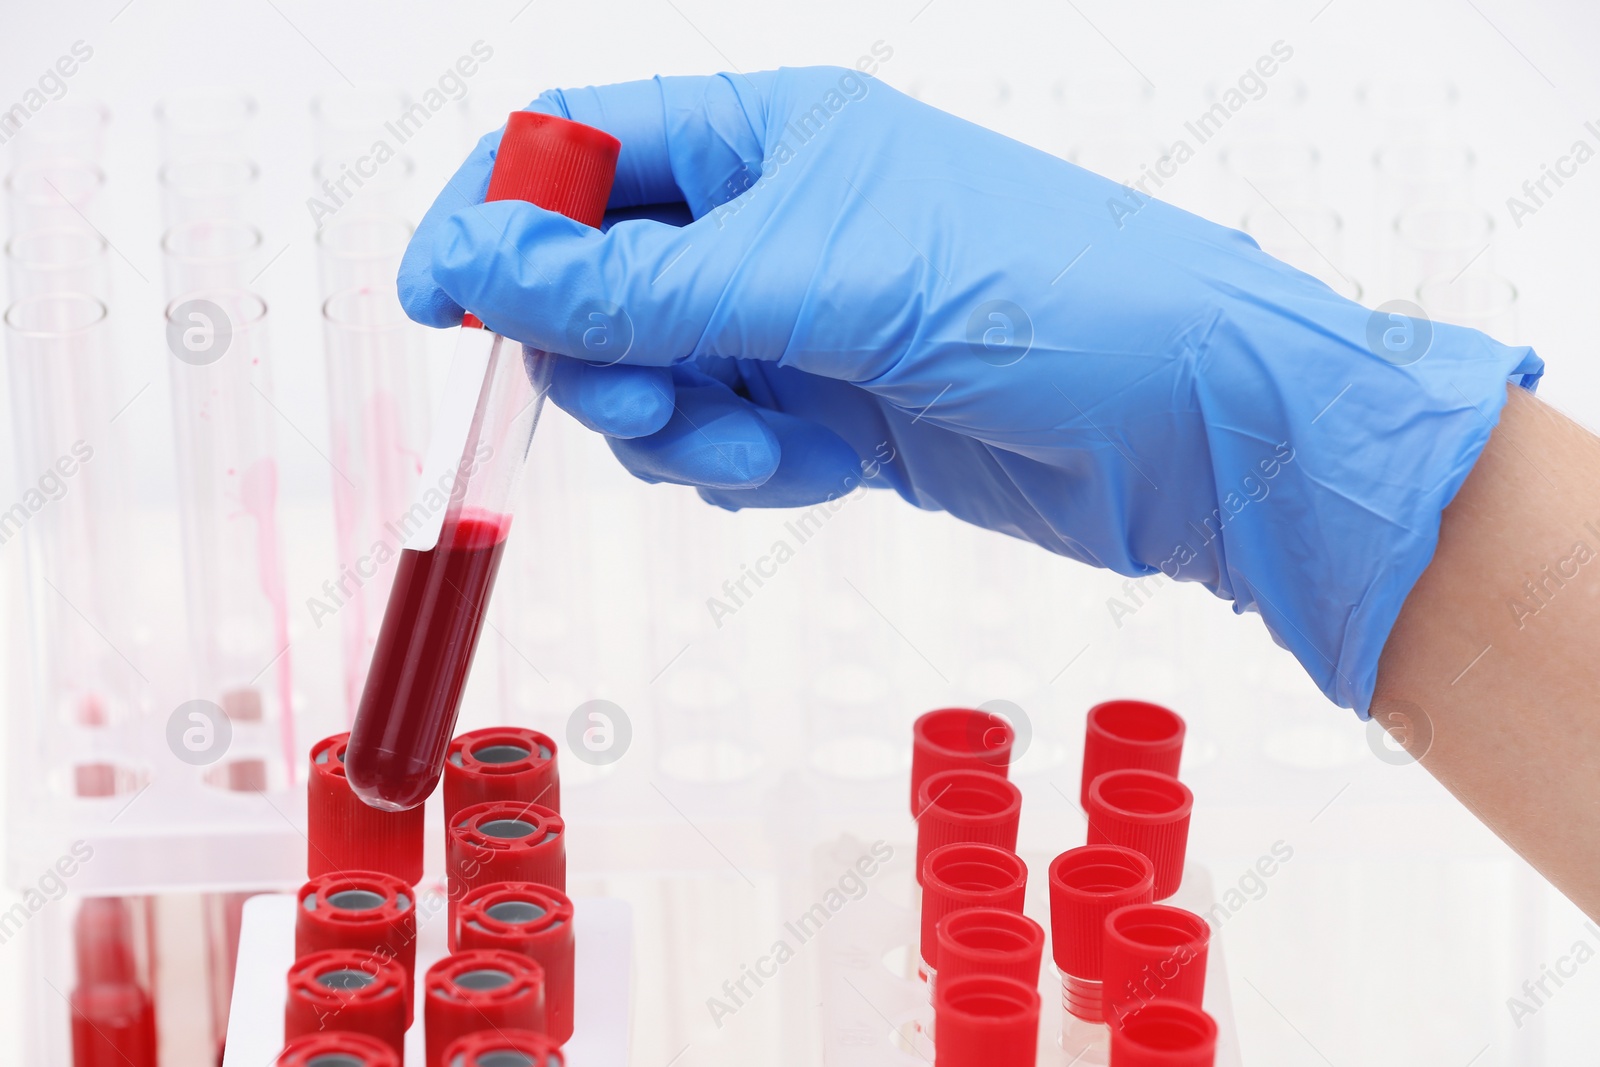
[1124, 958]
[505, 991]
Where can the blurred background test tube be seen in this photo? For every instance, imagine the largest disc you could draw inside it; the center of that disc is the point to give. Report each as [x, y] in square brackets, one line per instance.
[360, 250]
[67, 129]
[211, 121]
[210, 254]
[228, 497]
[53, 193]
[58, 259]
[62, 379]
[378, 417]
[1476, 297]
[208, 187]
[352, 117]
[457, 528]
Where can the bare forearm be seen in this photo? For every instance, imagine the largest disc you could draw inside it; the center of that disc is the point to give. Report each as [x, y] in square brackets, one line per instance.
[1492, 667]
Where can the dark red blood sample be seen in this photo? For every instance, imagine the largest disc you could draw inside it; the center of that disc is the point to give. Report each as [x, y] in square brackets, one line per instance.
[103, 942]
[113, 1025]
[419, 667]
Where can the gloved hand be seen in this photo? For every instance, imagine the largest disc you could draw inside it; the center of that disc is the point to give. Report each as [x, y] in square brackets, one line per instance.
[873, 291]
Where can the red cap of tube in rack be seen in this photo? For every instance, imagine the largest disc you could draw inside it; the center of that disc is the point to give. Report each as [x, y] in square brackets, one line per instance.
[472, 991]
[500, 763]
[336, 1047]
[347, 989]
[990, 941]
[955, 739]
[1165, 1033]
[966, 805]
[967, 875]
[1148, 812]
[984, 1020]
[534, 921]
[360, 910]
[1152, 950]
[345, 833]
[1130, 735]
[499, 1048]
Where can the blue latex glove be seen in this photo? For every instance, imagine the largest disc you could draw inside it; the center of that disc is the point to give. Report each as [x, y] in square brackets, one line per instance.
[873, 290]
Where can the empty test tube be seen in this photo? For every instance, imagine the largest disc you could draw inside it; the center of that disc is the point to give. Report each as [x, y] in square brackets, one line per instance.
[210, 254]
[58, 259]
[360, 251]
[64, 395]
[53, 193]
[228, 503]
[206, 122]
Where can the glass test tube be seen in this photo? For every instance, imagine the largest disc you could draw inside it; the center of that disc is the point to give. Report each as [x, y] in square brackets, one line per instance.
[705, 733]
[58, 259]
[455, 538]
[1410, 108]
[1308, 237]
[360, 250]
[1424, 172]
[53, 193]
[210, 254]
[355, 180]
[1477, 297]
[1275, 112]
[228, 495]
[1097, 107]
[350, 118]
[1278, 170]
[1435, 240]
[195, 188]
[63, 393]
[545, 619]
[378, 416]
[457, 528]
[74, 129]
[206, 122]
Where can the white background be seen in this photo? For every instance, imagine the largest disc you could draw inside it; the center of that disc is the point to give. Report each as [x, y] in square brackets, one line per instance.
[1399, 930]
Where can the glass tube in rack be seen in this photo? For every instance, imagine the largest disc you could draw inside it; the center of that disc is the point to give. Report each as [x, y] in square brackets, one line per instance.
[228, 500]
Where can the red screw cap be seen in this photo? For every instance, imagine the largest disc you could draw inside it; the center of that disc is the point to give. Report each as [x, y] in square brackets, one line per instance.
[1147, 812]
[1153, 952]
[500, 763]
[1130, 735]
[955, 738]
[966, 875]
[1165, 1033]
[113, 1025]
[558, 164]
[345, 989]
[534, 921]
[1087, 884]
[360, 910]
[348, 835]
[501, 1048]
[984, 1020]
[989, 941]
[504, 841]
[341, 1049]
[555, 163]
[966, 805]
[472, 991]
